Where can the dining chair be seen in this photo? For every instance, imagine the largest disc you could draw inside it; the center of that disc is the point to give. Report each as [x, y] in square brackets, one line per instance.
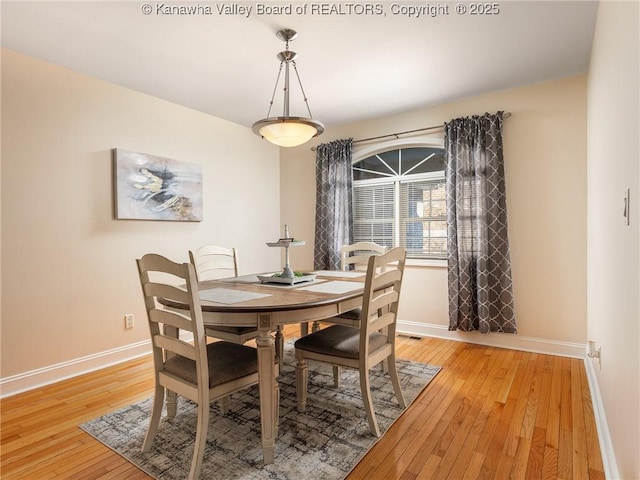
[356, 257]
[364, 346]
[198, 371]
[213, 262]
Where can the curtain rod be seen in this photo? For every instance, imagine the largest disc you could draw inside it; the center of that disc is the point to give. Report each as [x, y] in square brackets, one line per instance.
[397, 134]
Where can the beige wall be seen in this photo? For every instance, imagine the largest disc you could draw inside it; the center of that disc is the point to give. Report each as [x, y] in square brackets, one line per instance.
[614, 247]
[68, 270]
[545, 156]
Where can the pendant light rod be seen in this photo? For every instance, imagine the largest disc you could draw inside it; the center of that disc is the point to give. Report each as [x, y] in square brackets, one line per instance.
[304, 95]
[286, 87]
[275, 89]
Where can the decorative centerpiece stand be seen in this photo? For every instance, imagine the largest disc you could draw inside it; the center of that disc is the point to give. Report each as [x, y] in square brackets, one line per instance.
[287, 276]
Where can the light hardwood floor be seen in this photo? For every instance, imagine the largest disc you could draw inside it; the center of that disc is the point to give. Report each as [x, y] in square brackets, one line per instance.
[489, 414]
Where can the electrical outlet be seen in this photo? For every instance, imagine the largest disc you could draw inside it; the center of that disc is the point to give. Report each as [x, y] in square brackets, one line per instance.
[593, 352]
[128, 320]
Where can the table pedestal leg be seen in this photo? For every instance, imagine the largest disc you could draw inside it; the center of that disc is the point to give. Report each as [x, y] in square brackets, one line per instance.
[268, 392]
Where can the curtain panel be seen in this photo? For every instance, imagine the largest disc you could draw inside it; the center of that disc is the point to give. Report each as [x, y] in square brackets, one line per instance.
[334, 203]
[479, 266]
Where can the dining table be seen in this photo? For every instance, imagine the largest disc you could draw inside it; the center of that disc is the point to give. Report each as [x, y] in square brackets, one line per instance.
[250, 301]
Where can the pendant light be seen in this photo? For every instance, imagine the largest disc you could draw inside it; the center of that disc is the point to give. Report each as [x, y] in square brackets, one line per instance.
[287, 131]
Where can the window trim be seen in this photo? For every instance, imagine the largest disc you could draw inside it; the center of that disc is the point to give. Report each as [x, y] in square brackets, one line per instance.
[429, 141]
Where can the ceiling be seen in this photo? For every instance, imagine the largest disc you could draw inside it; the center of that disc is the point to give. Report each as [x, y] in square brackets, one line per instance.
[353, 65]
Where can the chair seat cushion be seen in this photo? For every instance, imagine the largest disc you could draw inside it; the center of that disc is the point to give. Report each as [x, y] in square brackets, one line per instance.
[354, 314]
[339, 341]
[227, 361]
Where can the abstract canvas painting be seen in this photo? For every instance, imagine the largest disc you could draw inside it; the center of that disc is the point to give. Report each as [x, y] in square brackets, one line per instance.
[149, 187]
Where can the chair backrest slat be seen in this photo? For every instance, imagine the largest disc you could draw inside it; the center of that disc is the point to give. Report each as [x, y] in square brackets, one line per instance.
[175, 345]
[387, 277]
[385, 299]
[172, 319]
[382, 321]
[168, 292]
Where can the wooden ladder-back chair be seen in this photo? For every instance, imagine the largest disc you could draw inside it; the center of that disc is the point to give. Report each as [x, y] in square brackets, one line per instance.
[201, 372]
[212, 263]
[357, 256]
[369, 344]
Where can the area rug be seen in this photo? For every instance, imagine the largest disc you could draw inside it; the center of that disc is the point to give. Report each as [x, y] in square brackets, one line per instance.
[324, 443]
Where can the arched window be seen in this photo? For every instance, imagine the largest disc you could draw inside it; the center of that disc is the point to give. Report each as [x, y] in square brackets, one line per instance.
[399, 200]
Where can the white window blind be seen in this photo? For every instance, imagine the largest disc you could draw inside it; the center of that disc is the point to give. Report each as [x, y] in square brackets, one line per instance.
[374, 213]
[423, 218]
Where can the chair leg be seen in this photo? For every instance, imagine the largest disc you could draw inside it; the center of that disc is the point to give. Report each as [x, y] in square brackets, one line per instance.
[395, 380]
[368, 402]
[302, 377]
[223, 403]
[315, 326]
[304, 329]
[201, 440]
[336, 376]
[384, 366]
[172, 403]
[156, 411]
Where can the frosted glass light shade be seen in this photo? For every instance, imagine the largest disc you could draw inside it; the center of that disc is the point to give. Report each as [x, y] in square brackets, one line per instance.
[288, 131]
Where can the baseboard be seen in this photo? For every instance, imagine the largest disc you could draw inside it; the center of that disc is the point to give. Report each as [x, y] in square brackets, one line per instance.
[502, 340]
[604, 437]
[72, 368]
[61, 371]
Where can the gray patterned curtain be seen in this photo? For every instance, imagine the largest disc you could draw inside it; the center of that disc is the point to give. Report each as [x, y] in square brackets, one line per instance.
[334, 203]
[480, 286]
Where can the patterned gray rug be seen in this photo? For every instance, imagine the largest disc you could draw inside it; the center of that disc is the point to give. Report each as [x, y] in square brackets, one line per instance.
[324, 443]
